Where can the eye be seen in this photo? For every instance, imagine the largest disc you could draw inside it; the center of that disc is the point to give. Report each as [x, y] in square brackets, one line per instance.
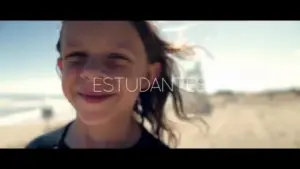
[119, 57]
[75, 56]
[75, 59]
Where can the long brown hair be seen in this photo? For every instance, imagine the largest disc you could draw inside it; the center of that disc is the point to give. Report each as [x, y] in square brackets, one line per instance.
[154, 101]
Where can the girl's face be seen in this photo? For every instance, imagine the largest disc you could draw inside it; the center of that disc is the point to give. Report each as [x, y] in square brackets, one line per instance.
[102, 64]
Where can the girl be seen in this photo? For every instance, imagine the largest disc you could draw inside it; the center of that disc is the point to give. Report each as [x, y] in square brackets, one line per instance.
[108, 71]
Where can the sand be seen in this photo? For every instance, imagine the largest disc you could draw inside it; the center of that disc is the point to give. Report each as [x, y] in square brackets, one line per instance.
[242, 122]
[18, 136]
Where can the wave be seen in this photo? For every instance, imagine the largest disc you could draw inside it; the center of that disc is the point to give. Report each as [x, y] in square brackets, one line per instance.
[15, 110]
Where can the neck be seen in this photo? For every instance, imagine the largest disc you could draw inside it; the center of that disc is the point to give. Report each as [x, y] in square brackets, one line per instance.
[118, 133]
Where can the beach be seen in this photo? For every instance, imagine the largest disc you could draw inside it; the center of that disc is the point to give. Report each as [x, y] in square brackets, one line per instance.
[18, 136]
[238, 121]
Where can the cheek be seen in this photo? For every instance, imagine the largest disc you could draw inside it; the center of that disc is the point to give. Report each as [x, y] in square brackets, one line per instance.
[130, 89]
[68, 82]
[132, 85]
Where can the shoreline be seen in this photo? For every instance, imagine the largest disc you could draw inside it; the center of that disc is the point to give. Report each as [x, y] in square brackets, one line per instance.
[17, 136]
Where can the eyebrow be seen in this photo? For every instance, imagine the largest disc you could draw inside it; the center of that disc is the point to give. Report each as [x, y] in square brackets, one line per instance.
[124, 45]
[73, 43]
[127, 47]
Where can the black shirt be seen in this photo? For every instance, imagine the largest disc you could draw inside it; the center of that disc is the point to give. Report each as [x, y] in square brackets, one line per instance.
[55, 140]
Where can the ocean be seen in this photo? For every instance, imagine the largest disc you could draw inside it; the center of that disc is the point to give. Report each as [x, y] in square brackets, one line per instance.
[21, 108]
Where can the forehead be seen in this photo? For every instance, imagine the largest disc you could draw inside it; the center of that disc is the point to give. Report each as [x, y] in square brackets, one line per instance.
[120, 33]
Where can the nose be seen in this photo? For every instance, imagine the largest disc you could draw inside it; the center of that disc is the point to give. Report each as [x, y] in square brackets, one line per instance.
[92, 70]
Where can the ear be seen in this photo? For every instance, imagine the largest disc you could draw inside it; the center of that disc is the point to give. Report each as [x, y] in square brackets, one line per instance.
[59, 64]
[154, 71]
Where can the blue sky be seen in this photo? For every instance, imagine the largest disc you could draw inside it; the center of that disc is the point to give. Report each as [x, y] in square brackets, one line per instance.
[249, 55]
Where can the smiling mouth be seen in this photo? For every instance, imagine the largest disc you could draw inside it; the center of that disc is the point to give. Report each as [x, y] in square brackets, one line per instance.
[94, 98]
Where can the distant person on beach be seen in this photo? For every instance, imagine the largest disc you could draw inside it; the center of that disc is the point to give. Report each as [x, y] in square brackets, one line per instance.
[110, 73]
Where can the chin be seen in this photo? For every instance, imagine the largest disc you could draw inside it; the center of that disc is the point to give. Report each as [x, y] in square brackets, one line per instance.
[92, 122]
[95, 116]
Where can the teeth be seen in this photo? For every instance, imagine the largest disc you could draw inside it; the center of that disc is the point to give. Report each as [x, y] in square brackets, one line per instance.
[93, 95]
